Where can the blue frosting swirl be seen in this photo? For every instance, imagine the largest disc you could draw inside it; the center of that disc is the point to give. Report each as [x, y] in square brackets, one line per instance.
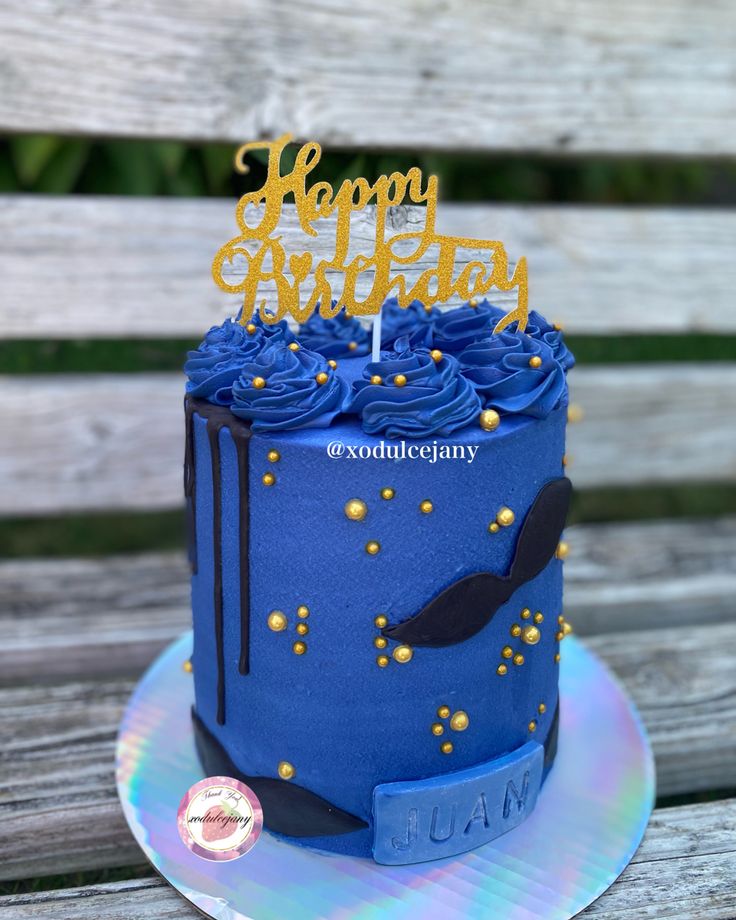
[436, 399]
[538, 328]
[502, 370]
[279, 330]
[291, 397]
[416, 322]
[455, 329]
[341, 336]
[215, 364]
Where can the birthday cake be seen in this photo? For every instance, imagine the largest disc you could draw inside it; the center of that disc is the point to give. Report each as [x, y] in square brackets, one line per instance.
[377, 572]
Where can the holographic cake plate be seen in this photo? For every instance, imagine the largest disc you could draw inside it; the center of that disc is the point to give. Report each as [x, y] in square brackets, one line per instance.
[589, 820]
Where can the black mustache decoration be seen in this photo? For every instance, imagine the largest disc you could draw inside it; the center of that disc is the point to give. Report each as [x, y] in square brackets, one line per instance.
[465, 607]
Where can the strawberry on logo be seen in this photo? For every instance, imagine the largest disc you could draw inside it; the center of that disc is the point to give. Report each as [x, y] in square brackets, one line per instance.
[219, 822]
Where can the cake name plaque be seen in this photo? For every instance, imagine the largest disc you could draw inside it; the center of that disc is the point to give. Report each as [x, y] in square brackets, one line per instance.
[266, 258]
[445, 815]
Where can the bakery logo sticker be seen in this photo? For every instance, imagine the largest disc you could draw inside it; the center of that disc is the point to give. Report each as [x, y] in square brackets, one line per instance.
[220, 818]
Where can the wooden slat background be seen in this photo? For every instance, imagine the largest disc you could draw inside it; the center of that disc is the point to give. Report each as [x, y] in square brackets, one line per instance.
[111, 267]
[645, 77]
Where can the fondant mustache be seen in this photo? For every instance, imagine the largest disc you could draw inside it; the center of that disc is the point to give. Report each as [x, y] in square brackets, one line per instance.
[465, 607]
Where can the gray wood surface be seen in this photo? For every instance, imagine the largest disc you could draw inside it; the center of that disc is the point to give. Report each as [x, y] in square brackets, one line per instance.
[116, 441]
[110, 267]
[683, 870]
[56, 767]
[557, 77]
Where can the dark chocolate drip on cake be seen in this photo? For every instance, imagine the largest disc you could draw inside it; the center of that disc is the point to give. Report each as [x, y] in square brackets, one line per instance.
[190, 485]
[241, 436]
[213, 433]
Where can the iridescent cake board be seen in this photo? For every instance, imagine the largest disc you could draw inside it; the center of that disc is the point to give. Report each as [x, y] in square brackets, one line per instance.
[589, 819]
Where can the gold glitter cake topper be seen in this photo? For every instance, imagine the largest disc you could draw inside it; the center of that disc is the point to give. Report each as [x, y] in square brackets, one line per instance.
[262, 247]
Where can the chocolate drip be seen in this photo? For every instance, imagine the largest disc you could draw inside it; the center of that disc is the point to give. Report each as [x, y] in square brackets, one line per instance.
[217, 418]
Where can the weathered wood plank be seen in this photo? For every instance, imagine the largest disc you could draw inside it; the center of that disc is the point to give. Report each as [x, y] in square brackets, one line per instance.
[637, 77]
[56, 767]
[141, 267]
[684, 870]
[116, 441]
[83, 618]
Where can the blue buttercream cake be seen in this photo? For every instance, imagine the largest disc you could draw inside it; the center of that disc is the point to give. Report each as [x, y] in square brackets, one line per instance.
[377, 574]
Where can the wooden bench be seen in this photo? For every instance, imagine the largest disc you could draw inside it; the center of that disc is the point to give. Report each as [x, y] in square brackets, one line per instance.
[655, 599]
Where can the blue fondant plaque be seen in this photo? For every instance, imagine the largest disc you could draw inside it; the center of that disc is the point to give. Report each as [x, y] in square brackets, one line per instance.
[445, 815]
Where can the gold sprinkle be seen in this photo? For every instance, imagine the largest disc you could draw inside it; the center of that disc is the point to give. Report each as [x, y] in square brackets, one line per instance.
[376, 380]
[273, 456]
[516, 630]
[438, 729]
[427, 307]
[403, 653]
[293, 346]
[302, 612]
[507, 651]
[446, 747]
[387, 493]
[559, 636]
[538, 617]
[250, 328]
[535, 361]
[489, 420]
[502, 669]
[558, 326]
[302, 629]
[557, 657]
[426, 506]
[566, 628]
[381, 621]
[562, 549]
[530, 635]
[352, 346]
[525, 613]
[574, 413]
[268, 479]
[355, 509]
[258, 383]
[321, 378]
[443, 712]
[493, 527]
[518, 659]
[459, 721]
[333, 364]
[473, 302]
[436, 355]
[541, 709]
[505, 517]
[560, 619]
[286, 770]
[532, 726]
[372, 547]
[299, 648]
[277, 621]
[380, 642]
[188, 666]
[382, 661]
[400, 380]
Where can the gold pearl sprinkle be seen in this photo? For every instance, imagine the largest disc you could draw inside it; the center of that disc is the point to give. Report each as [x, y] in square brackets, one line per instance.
[525, 613]
[302, 629]
[446, 747]
[352, 346]
[558, 327]
[268, 479]
[436, 355]
[566, 628]
[438, 729]
[501, 670]
[505, 517]
[443, 712]
[541, 709]
[258, 383]
[560, 619]
[574, 413]
[333, 364]
[507, 651]
[376, 380]
[459, 721]
[493, 527]
[355, 509]
[530, 635]
[286, 770]
[188, 666]
[273, 456]
[387, 494]
[299, 648]
[559, 636]
[535, 361]
[381, 621]
[473, 302]
[293, 346]
[321, 378]
[277, 621]
[557, 658]
[373, 547]
[403, 653]
[562, 549]
[518, 659]
[380, 642]
[382, 661]
[427, 308]
[302, 611]
[400, 380]
[538, 617]
[515, 630]
[250, 328]
[489, 420]
[426, 507]
[532, 726]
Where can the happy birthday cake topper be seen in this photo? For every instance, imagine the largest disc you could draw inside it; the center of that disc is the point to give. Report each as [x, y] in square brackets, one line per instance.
[266, 258]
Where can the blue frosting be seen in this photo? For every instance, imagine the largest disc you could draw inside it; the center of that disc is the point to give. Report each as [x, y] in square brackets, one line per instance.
[500, 370]
[416, 322]
[436, 399]
[341, 336]
[215, 365]
[455, 329]
[292, 396]
[279, 330]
